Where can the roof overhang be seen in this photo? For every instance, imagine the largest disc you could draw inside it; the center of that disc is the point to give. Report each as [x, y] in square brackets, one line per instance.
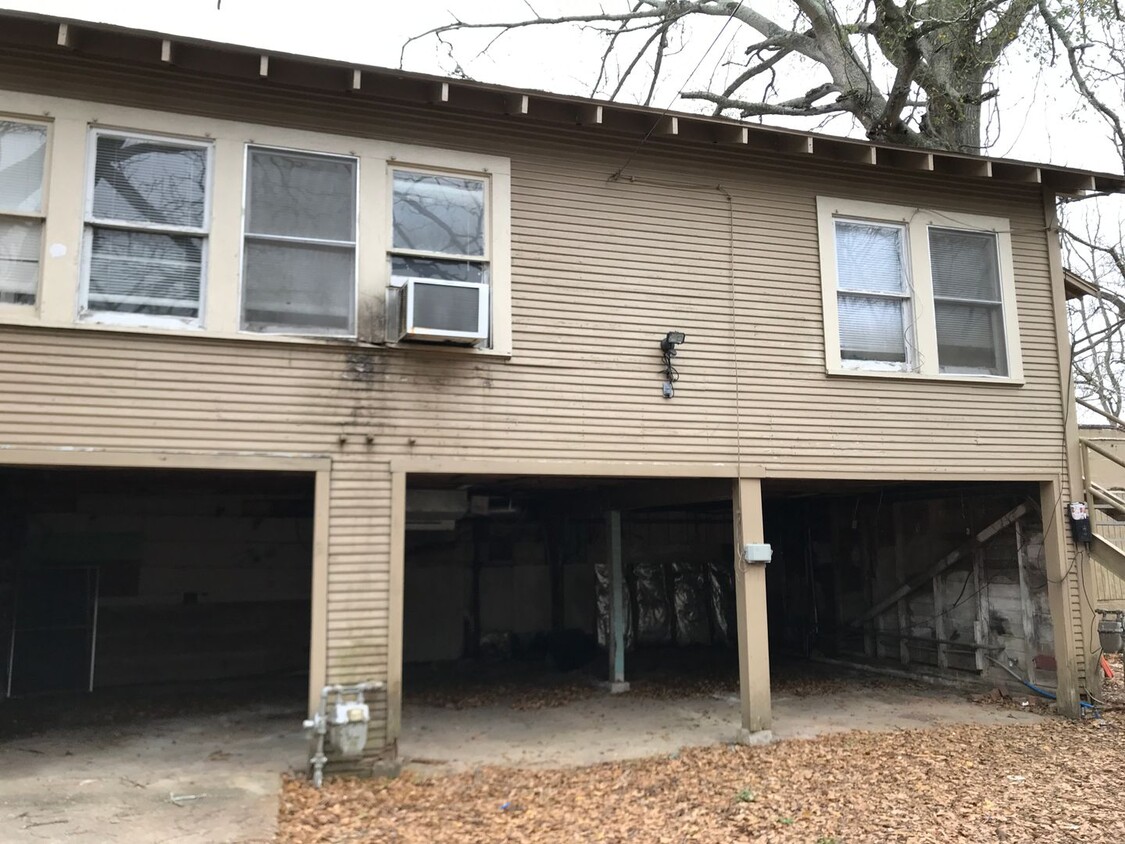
[209, 58]
[1077, 286]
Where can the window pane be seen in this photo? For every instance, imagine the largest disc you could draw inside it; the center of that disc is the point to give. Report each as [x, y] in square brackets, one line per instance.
[302, 195]
[870, 258]
[141, 273]
[23, 147]
[296, 287]
[438, 213]
[19, 261]
[473, 271]
[872, 329]
[965, 265]
[970, 339]
[138, 180]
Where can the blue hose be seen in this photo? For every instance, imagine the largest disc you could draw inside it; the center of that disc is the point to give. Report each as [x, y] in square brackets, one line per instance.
[1049, 695]
[1052, 696]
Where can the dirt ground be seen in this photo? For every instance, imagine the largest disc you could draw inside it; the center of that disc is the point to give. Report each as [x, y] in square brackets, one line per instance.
[190, 767]
[613, 728]
[1008, 778]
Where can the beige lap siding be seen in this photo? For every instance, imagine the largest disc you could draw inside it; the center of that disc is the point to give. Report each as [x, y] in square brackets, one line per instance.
[601, 269]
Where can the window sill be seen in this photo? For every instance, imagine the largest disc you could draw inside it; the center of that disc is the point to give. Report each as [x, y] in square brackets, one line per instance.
[30, 320]
[25, 316]
[448, 349]
[997, 380]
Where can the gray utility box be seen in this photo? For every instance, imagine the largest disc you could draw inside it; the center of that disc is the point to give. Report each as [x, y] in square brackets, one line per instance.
[1111, 631]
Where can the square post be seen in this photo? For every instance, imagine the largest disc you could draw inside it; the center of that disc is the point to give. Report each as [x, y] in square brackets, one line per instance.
[750, 601]
[616, 643]
[1062, 596]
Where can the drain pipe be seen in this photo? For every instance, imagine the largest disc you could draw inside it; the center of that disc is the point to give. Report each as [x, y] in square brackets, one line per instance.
[344, 726]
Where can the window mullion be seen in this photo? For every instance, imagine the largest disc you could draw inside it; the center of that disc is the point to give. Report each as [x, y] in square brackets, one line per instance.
[923, 317]
[372, 275]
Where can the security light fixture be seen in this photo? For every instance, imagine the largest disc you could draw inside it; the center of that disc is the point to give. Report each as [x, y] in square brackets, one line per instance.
[670, 341]
[668, 347]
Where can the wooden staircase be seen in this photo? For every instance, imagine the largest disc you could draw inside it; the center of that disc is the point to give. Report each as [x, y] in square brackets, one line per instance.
[1106, 504]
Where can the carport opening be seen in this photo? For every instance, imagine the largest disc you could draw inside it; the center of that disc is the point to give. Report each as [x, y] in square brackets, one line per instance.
[872, 587]
[944, 580]
[151, 587]
[509, 584]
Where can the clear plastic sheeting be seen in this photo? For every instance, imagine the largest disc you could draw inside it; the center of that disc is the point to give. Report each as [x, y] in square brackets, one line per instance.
[671, 603]
[724, 611]
[655, 607]
[601, 574]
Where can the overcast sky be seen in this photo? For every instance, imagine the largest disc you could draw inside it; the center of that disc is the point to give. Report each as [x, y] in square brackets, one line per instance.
[1035, 121]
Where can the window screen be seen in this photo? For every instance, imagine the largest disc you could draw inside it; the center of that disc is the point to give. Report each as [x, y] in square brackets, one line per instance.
[146, 226]
[23, 148]
[873, 292]
[967, 302]
[299, 255]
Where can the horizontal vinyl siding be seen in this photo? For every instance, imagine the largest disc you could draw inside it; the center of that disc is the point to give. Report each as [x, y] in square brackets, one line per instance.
[601, 269]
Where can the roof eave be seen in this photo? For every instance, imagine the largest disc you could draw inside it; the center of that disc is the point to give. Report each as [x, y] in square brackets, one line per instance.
[99, 40]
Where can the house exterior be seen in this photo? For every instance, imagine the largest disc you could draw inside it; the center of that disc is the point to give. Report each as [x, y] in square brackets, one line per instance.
[217, 260]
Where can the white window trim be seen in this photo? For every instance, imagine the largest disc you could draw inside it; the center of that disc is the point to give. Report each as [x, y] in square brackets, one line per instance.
[491, 344]
[355, 244]
[918, 222]
[85, 313]
[22, 310]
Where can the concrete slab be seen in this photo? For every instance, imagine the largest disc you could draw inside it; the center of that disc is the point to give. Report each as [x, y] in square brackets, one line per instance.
[608, 728]
[211, 777]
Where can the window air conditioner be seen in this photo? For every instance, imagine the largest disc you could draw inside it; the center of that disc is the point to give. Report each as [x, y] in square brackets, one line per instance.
[435, 309]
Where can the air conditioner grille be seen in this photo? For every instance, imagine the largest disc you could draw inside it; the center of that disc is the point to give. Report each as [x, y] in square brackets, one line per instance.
[444, 308]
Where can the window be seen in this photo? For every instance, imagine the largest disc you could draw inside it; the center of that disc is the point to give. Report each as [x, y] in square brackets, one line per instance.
[917, 292]
[439, 251]
[23, 149]
[967, 302]
[299, 243]
[439, 227]
[146, 228]
[874, 293]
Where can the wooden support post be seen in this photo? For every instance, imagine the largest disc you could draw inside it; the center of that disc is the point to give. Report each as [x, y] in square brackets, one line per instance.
[900, 576]
[1027, 608]
[396, 607]
[616, 604]
[318, 638]
[980, 627]
[1062, 595]
[482, 547]
[939, 621]
[869, 545]
[1079, 570]
[555, 530]
[750, 601]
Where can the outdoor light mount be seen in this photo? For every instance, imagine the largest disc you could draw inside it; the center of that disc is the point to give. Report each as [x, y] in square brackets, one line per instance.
[668, 349]
[670, 341]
